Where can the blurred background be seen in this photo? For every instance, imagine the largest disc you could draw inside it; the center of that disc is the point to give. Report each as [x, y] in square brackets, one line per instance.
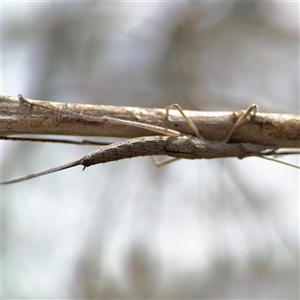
[224, 228]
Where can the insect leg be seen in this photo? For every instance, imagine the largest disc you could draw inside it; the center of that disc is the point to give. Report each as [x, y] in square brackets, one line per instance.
[164, 162]
[251, 109]
[188, 120]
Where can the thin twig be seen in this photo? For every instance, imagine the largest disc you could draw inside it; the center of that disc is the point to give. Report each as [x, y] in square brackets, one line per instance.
[278, 130]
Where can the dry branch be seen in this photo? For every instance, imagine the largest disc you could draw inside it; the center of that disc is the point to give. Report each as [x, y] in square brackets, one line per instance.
[277, 130]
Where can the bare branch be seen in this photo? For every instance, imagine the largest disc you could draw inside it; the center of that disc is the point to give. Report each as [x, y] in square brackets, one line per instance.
[277, 130]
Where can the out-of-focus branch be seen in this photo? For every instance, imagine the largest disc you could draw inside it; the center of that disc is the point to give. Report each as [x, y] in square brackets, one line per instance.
[276, 130]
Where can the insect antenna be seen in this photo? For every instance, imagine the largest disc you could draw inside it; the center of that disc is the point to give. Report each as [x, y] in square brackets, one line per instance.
[280, 162]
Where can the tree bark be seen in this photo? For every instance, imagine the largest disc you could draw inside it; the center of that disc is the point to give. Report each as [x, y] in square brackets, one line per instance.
[44, 117]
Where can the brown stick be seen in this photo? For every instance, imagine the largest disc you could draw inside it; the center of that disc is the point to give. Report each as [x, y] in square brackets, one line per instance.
[277, 130]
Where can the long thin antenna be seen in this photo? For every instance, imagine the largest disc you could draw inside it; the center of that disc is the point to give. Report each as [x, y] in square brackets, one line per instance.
[280, 162]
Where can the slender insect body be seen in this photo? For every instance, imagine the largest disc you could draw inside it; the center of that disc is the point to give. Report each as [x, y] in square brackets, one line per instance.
[173, 144]
[143, 146]
[186, 146]
[190, 147]
[183, 146]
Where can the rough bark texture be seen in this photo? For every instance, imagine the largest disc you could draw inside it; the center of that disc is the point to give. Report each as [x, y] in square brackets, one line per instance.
[277, 130]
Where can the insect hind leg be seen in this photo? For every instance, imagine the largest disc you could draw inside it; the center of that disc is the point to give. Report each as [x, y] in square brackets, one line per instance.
[164, 162]
[251, 109]
[188, 120]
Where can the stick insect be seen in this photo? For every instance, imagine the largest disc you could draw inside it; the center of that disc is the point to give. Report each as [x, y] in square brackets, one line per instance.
[171, 143]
